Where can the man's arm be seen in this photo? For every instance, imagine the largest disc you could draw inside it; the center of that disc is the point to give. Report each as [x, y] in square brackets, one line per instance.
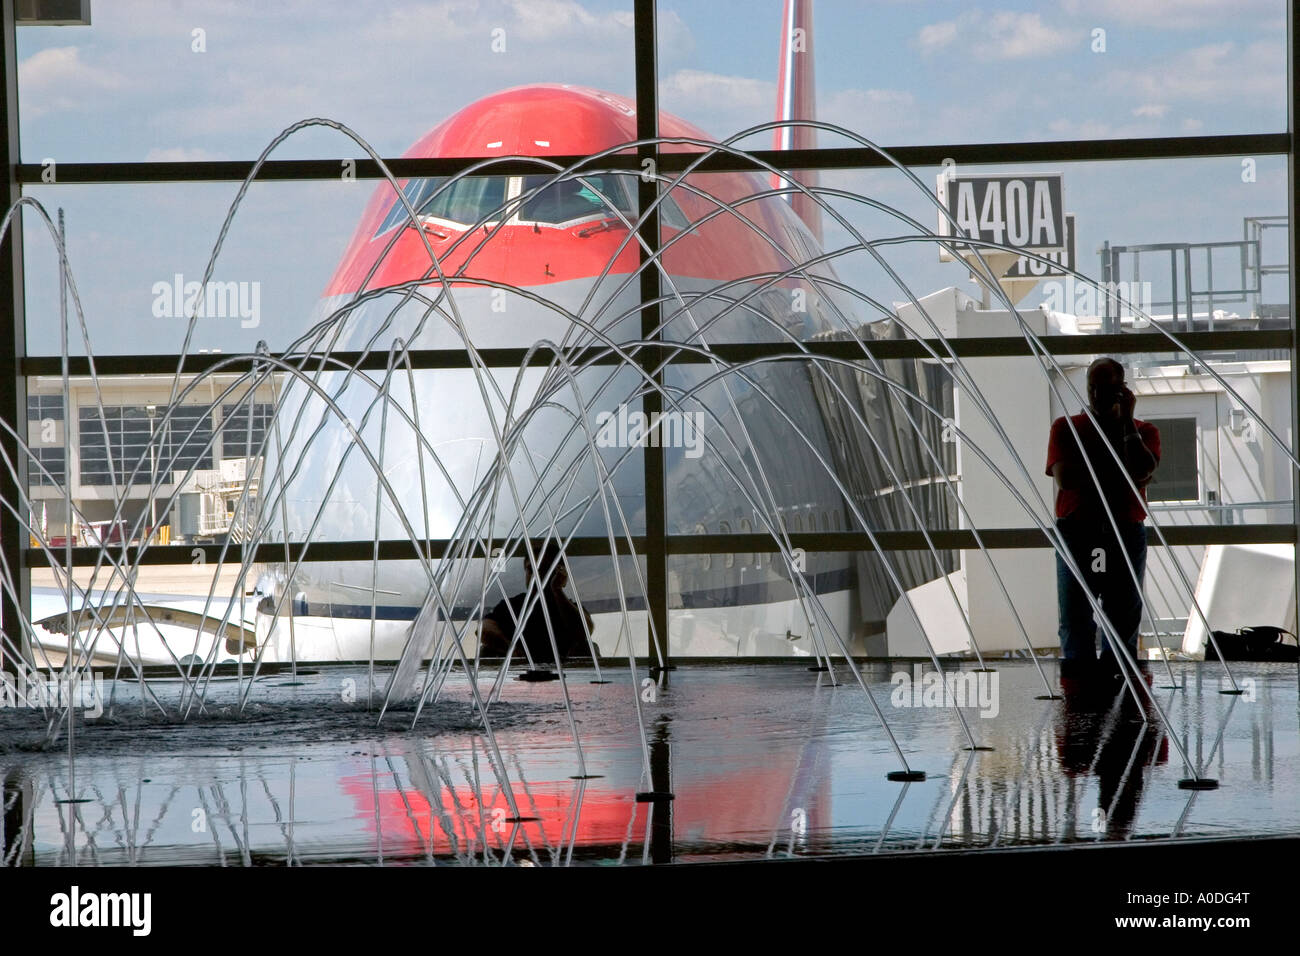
[1067, 465]
[1139, 460]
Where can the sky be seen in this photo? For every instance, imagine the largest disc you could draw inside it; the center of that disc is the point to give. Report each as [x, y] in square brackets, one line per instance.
[218, 80]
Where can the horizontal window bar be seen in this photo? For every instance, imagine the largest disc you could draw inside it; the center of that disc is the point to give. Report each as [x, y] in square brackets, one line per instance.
[268, 552]
[32, 174]
[837, 541]
[955, 540]
[1001, 154]
[983, 154]
[976, 346]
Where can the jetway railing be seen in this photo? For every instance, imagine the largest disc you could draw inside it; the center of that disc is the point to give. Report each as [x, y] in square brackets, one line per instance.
[1195, 294]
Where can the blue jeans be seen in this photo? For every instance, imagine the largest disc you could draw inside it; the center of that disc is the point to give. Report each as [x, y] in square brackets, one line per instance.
[1107, 578]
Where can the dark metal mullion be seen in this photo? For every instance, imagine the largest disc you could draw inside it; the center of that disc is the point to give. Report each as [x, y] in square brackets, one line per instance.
[400, 549]
[967, 154]
[976, 346]
[647, 127]
[13, 341]
[1293, 222]
[1006, 154]
[281, 170]
[963, 540]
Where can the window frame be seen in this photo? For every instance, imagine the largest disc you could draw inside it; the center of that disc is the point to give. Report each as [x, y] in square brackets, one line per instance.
[657, 543]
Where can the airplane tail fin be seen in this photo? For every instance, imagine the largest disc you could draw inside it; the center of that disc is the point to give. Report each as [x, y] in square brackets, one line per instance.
[797, 100]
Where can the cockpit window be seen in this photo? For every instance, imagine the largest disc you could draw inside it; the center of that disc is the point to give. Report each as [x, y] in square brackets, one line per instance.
[670, 214]
[465, 201]
[471, 199]
[573, 199]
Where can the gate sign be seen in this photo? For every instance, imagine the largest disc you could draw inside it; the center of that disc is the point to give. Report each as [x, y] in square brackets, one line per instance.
[1026, 268]
[1025, 211]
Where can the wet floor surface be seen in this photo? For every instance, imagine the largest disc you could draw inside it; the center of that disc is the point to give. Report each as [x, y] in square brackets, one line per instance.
[761, 760]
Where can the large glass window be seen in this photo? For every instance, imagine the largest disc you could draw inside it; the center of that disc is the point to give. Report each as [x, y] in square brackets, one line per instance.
[41, 407]
[193, 81]
[54, 464]
[943, 72]
[1179, 474]
[243, 429]
[572, 199]
[463, 202]
[1188, 238]
[272, 271]
[139, 442]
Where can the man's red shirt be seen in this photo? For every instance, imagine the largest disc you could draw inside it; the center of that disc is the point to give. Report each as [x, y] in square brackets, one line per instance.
[1062, 446]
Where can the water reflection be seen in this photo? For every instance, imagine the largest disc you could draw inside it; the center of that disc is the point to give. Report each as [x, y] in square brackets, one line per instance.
[1107, 738]
[760, 761]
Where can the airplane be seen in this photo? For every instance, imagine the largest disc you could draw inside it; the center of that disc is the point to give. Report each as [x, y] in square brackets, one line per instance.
[515, 247]
[523, 253]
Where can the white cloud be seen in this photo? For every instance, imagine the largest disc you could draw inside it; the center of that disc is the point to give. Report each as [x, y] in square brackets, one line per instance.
[1004, 35]
[676, 42]
[1013, 36]
[397, 23]
[1216, 72]
[720, 105]
[558, 19]
[885, 117]
[56, 79]
[391, 74]
[937, 36]
[1095, 129]
[1180, 14]
[1151, 110]
[692, 85]
[1182, 91]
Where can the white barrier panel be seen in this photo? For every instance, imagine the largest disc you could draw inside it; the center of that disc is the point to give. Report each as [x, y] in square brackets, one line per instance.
[1242, 585]
[939, 614]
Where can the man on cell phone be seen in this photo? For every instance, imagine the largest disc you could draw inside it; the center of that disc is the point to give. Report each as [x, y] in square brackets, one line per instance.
[1087, 529]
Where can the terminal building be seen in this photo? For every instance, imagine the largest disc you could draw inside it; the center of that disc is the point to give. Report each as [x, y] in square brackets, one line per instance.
[102, 454]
